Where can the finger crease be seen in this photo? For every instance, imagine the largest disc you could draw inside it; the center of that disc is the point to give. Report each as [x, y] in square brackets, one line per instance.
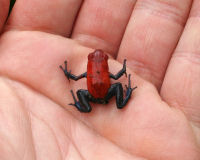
[146, 70]
[163, 9]
[192, 57]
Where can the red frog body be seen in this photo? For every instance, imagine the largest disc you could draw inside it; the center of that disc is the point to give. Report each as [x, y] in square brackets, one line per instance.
[98, 79]
[100, 90]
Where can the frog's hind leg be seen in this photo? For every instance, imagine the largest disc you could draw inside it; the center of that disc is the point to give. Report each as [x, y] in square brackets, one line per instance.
[83, 104]
[116, 89]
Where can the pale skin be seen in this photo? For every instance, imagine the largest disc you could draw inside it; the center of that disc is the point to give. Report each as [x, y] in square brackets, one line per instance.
[159, 39]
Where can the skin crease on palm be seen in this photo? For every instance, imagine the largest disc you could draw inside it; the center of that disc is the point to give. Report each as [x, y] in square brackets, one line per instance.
[159, 39]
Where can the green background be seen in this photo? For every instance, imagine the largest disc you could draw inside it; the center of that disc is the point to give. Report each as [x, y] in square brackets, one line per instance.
[12, 2]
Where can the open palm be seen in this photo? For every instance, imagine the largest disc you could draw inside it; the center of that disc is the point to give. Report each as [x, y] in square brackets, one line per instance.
[162, 119]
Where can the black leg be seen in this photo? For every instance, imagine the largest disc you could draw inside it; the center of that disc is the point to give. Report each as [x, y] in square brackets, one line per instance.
[71, 76]
[120, 73]
[117, 90]
[83, 104]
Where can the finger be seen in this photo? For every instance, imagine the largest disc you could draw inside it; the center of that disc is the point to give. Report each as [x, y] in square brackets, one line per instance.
[181, 85]
[49, 16]
[151, 36]
[4, 5]
[101, 24]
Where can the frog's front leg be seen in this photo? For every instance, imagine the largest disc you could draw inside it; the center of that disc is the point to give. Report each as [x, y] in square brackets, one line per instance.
[69, 75]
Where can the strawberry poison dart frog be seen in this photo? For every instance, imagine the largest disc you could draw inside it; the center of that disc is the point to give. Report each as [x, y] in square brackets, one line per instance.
[100, 90]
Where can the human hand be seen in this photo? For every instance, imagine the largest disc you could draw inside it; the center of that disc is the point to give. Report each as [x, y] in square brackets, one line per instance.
[160, 121]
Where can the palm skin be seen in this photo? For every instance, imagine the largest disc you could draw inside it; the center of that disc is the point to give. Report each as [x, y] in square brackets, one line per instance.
[37, 122]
